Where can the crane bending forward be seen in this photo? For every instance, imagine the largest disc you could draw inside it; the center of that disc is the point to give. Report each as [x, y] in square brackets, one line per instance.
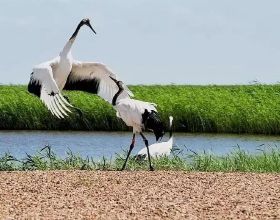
[48, 79]
[139, 115]
[158, 149]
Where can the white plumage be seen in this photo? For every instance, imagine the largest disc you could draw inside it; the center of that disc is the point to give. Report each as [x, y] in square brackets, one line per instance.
[131, 111]
[139, 115]
[49, 93]
[48, 79]
[158, 149]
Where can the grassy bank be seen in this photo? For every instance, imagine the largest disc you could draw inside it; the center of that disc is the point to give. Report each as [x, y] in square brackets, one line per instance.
[237, 161]
[229, 109]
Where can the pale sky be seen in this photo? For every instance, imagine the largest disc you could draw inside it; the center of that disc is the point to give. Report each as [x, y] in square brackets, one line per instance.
[147, 42]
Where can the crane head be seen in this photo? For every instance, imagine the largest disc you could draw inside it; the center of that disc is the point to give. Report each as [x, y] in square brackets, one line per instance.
[119, 83]
[152, 122]
[86, 21]
[159, 132]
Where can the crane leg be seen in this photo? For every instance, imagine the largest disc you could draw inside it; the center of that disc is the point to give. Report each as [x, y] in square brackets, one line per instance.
[148, 151]
[129, 151]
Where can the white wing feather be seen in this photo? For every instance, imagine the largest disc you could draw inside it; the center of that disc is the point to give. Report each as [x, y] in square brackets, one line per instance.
[50, 94]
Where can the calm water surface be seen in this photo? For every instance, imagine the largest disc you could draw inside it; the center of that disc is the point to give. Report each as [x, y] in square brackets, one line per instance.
[98, 144]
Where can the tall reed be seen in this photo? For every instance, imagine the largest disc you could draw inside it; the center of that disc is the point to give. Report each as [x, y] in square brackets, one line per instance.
[224, 109]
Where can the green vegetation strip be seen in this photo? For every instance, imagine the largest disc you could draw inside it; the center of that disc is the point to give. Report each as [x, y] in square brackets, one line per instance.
[228, 109]
[237, 161]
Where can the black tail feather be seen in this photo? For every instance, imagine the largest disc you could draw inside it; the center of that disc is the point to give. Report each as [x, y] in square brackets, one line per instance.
[152, 121]
[34, 86]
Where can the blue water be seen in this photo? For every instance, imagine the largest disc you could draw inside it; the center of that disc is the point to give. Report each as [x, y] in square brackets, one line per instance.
[98, 144]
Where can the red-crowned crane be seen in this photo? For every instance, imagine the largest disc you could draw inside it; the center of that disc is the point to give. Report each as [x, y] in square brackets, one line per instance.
[48, 79]
[158, 149]
[139, 115]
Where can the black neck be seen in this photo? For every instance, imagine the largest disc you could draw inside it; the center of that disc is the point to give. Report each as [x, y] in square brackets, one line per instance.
[116, 96]
[76, 31]
[170, 131]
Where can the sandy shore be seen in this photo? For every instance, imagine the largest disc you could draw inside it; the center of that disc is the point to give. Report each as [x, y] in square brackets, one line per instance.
[138, 195]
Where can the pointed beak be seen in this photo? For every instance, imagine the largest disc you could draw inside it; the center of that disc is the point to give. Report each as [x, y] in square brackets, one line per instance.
[113, 79]
[88, 24]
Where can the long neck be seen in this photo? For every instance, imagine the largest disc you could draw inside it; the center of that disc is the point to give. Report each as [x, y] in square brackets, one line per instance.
[170, 133]
[68, 45]
[170, 130]
[114, 101]
[74, 35]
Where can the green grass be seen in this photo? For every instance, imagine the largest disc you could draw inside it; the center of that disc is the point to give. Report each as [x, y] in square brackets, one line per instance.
[237, 161]
[224, 109]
